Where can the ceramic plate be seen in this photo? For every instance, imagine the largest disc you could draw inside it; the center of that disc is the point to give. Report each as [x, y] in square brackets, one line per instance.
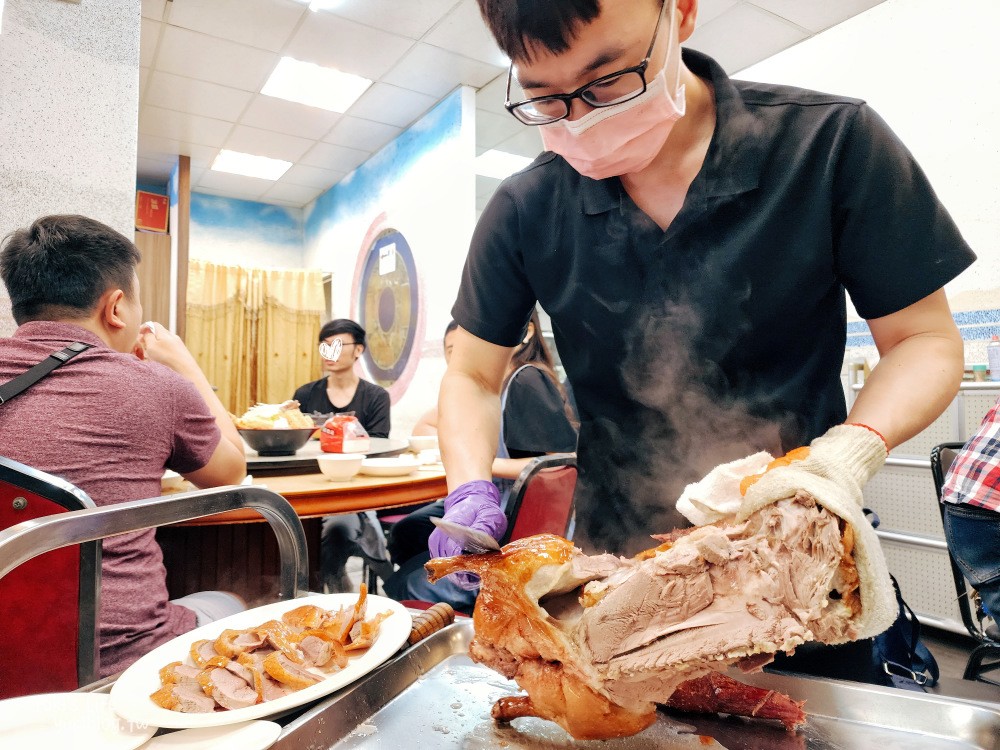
[390, 467]
[248, 735]
[130, 694]
[82, 721]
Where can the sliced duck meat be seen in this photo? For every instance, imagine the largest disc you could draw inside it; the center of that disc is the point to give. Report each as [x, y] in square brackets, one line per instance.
[228, 690]
[287, 672]
[184, 698]
[307, 617]
[203, 652]
[232, 643]
[177, 673]
[240, 669]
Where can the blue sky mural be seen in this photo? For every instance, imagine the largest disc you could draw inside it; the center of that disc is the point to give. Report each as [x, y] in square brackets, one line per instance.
[274, 225]
[442, 123]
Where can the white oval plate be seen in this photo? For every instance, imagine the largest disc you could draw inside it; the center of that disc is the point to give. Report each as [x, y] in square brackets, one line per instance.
[389, 467]
[249, 735]
[130, 694]
[83, 721]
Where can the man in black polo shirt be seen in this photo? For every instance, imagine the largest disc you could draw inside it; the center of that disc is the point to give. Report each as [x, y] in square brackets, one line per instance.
[692, 238]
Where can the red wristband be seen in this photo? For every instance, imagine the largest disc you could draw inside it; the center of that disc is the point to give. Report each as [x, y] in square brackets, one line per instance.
[871, 429]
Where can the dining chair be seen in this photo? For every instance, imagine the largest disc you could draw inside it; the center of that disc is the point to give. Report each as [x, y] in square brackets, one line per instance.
[541, 499]
[48, 606]
[36, 664]
[985, 657]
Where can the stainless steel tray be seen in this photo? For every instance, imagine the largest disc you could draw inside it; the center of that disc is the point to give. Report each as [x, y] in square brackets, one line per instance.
[434, 696]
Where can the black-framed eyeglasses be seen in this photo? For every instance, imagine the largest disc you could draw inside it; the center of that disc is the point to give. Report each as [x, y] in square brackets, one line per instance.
[614, 88]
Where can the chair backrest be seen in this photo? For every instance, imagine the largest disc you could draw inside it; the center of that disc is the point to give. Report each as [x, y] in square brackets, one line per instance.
[48, 606]
[541, 500]
[942, 457]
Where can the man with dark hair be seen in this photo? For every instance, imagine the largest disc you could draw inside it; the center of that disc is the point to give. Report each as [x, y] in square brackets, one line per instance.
[691, 238]
[111, 420]
[342, 342]
[340, 389]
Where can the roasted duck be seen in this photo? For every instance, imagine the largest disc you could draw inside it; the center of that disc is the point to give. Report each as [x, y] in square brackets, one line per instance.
[598, 641]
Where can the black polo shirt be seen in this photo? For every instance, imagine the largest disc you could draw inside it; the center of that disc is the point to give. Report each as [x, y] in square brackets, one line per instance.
[371, 405]
[724, 334]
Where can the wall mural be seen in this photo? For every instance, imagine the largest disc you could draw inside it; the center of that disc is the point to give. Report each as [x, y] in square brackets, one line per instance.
[387, 299]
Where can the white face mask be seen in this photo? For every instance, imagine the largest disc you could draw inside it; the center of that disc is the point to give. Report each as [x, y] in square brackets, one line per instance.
[624, 138]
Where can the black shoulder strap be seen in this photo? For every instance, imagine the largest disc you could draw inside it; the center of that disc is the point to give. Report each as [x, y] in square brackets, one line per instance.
[27, 379]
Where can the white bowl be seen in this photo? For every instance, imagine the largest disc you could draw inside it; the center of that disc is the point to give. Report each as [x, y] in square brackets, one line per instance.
[171, 480]
[339, 467]
[423, 442]
[395, 466]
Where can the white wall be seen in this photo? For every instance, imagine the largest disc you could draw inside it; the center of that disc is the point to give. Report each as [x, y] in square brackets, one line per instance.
[69, 102]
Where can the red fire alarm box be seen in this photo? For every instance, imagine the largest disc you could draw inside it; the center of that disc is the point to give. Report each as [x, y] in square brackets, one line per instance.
[152, 211]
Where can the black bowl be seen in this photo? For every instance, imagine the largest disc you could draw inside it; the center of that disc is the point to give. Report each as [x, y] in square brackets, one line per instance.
[277, 442]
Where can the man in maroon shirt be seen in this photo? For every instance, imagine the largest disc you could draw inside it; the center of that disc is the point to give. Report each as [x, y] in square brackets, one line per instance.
[112, 418]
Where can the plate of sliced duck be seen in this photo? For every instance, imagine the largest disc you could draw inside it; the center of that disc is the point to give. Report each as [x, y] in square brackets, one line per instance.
[261, 662]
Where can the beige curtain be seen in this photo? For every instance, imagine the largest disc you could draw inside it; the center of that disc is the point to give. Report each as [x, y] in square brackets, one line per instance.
[253, 330]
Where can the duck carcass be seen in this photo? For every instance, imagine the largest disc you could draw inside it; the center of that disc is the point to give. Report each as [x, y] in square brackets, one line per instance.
[597, 641]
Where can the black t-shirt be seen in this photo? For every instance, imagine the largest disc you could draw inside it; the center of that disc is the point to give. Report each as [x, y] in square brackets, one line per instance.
[534, 417]
[370, 404]
[724, 334]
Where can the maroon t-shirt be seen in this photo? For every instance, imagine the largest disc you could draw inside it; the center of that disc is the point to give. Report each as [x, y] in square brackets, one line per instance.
[110, 424]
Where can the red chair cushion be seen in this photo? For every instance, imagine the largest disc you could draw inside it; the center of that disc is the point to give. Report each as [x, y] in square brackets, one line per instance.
[39, 609]
[547, 503]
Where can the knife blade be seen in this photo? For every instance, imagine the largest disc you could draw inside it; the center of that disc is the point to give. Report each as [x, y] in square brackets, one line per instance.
[472, 540]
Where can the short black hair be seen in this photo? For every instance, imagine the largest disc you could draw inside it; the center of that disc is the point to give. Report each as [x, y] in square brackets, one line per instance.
[522, 27]
[342, 325]
[61, 265]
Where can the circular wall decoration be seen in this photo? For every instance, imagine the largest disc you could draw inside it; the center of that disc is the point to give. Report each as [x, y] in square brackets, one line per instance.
[387, 298]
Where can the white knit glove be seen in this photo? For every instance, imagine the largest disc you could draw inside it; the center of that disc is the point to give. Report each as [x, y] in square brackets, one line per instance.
[838, 465]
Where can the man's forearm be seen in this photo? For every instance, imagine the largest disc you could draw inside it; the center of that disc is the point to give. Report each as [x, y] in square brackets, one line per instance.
[221, 414]
[468, 428]
[911, 386]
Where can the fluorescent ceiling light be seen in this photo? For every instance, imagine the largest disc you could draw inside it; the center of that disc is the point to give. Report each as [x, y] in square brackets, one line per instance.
[316, 5]
[314, 85]
[249, 165]
[500, 164]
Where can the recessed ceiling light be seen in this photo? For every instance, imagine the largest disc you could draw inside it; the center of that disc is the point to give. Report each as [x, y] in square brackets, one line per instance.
[314, 85]
[249, 165]
[500, 164]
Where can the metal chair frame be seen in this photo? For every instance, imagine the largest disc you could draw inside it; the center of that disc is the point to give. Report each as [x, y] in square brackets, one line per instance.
[24, 541]
[520, 487]
[972, 613]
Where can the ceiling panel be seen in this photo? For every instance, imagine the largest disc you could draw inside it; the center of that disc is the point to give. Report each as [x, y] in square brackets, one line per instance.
[282, 116]
[464, 32]
[760, 34]
[332, 41]
[432, 70]
[391, 105]
[236, 185]
[491, 128]
[410, 18]
[816, 15]
[184, 94]
[164, 149]
[167, 123]
[528, 142]
[203, 63]
[208, 58]
[337, 158]
[153, 9]
[265, 24]
[267, 143]
[149, 34]
[364, 135]
[316, 177]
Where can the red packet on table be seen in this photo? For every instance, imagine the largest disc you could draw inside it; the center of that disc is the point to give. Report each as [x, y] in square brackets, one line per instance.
[343, 433]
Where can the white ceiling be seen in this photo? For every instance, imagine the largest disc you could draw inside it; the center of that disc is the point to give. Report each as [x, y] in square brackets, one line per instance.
[204, 62]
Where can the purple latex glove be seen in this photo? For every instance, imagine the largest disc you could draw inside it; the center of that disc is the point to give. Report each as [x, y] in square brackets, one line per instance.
[475, 504]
